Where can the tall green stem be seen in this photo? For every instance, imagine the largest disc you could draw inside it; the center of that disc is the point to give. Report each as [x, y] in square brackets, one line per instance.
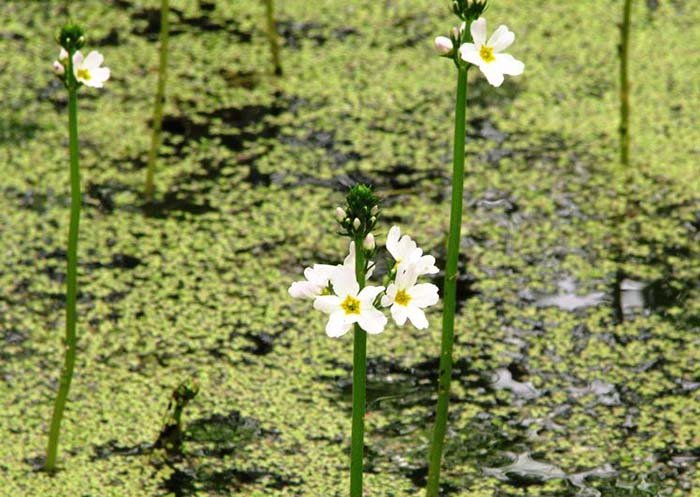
[273, 37]
[625, 86]
[72, 273]
[450, 287]
[159, 100]
[359, 380]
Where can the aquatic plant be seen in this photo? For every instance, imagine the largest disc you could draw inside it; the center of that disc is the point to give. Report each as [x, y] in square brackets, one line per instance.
[171, 434]
[273, 36]
[625, 84]
[157, 123]
[464, 47]
[342, 292]
[74, 70]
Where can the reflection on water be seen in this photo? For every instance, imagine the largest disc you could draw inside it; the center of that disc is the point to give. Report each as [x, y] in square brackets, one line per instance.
[502, 379]
[567, 298]
[526, 470]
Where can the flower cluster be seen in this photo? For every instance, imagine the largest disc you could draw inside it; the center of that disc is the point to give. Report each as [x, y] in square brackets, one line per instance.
[86, 70]
[336, 291]
[474, 48]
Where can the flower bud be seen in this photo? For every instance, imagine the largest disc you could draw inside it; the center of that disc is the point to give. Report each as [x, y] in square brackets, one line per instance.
[58, 68]
[443, 46]
[340, 214]
[374, 210]
[368, 243]
[356, 224]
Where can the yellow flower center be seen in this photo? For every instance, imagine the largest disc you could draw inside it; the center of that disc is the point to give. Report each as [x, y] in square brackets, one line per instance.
[487, 54]
[351, 305]
[84, 74]
[402, 298]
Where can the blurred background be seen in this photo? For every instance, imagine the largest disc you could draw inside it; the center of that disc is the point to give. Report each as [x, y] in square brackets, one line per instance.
[577, 363]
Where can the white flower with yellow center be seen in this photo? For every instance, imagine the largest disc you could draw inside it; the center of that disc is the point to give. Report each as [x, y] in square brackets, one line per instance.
[406, 252]
[318, 278]
[87, 70]
[408, 299]
[488, 56]
[351, 305]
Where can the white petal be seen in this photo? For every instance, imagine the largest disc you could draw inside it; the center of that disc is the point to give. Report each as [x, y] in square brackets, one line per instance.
[100, 74]
[337, 325]
[327, 303]
[501, 39]
[63, 55]
[304, 290]
[406, 275]
[392, 241]
[320, 273]
[386, 301]
[493, 74]
[509, 65]
[350, 259]
[400, 314]
[93, 60]
[417, 317]
[424, 295]
[369, 293]
[478, 30]
[469, 53]
[344, 282]
[77, 59]
[92, 82]
[372, 321]
[426, 265]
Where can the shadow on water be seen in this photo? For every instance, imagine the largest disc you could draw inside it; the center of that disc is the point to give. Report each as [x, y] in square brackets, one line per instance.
[212, 448]
[147, 23]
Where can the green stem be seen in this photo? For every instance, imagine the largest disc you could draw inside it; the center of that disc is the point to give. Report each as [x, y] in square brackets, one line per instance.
[159, 100]
[273, 37]
[450, 288]
[625, 86]
[72, 273]
[359, 379]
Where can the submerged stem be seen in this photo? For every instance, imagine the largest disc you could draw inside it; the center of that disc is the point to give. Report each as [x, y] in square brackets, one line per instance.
[159, 100]
[625, 86]
[273, 36]
[450, 287]
[71, 275]
[359, 379]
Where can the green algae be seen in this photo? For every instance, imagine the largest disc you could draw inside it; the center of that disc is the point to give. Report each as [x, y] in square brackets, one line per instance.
[252, 168]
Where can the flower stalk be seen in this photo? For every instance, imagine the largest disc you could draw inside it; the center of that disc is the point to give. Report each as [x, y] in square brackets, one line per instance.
[359, 380]
[273, 36]
[450, 286]
[157, 126]
[75, 71]
[72, 269]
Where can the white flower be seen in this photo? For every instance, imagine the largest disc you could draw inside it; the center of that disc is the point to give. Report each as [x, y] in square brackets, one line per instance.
[406, 252]
[351, 305]
[87, 70]
[487, 55]
[408, 299]
[317, 279]
[443, 45]
[349, 262]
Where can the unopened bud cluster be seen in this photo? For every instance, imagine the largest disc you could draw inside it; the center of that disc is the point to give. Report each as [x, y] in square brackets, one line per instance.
[359, 216]
[71, 38]
[469, 10]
